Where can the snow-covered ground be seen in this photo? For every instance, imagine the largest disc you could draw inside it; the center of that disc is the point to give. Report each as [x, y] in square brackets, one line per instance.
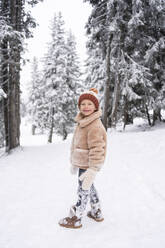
[37, 189]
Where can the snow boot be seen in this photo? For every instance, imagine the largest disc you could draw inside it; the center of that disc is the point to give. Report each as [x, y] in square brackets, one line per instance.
[97, 216]
[72, 221]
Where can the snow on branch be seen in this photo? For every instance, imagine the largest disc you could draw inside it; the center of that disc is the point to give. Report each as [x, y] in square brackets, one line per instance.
[160, 44]
[2, 94]
[135, 63]
[6, 31]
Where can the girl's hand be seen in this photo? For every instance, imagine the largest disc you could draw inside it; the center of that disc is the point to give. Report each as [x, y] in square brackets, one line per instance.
[87, 178]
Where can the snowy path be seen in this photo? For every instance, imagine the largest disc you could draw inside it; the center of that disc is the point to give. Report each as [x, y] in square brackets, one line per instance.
[36, 190]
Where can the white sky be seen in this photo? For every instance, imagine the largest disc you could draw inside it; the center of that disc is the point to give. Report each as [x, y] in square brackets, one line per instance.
[75, 14]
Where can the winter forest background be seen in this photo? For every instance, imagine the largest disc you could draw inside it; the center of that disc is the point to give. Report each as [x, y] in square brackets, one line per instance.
[125, 61]
[124, 58]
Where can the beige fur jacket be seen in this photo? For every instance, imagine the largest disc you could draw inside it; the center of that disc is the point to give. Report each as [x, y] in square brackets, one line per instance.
[89, 142]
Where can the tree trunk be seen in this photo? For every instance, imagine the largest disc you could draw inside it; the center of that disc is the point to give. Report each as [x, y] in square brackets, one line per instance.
[116, 90]
[11, 47]
[156, 116]
[50, 133]
[5, 80]
[14, 71]
[51, 126]
[115, 102]
[107, 84]
[64, 133]
[2, 132]
[127, 118]
[125, 112]
[148, 115]
[33, 129]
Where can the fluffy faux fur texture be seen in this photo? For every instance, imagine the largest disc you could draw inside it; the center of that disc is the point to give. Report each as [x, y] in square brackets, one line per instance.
[89, 142]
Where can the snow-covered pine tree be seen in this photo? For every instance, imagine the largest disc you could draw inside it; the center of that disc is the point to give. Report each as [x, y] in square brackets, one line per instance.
[95, 68]
[2, 128]
[135, 91]
[64, 119]
[107, 27]
[145, 45]
[155, 55]
[8, 72]
[55, 71]
[15, 25]
[135, 29]
[46, 88]
[35, 103]
[99, 31]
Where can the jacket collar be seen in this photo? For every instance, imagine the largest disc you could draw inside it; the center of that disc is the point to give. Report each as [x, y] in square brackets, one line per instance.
[84, 121]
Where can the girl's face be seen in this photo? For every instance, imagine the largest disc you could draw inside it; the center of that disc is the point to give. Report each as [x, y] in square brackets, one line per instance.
[87, 107]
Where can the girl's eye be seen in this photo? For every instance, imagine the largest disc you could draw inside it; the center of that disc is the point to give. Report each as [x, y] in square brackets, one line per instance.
[83, 104]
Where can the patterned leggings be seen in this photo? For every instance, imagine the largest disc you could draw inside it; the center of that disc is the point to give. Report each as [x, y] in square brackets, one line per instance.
[84, 196]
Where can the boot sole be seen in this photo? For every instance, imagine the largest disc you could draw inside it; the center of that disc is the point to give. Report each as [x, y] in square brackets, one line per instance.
[97, 220]
[71, 227]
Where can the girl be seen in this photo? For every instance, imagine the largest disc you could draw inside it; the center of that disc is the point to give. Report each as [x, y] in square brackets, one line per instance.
[87, 156]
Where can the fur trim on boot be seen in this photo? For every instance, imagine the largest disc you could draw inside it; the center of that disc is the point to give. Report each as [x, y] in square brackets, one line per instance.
[69, 222]
[97, 216]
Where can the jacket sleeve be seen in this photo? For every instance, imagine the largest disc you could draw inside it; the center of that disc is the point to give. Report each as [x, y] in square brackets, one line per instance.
[97, 147]
[71, 151]
[72, 146]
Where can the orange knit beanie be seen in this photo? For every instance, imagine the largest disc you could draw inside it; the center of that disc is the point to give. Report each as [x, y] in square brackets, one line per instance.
[91, 95]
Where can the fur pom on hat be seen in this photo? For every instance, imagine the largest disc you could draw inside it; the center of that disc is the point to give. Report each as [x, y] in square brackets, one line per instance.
[91, 95]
